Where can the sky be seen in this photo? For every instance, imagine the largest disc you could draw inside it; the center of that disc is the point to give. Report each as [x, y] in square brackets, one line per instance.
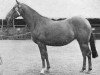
[57, 8]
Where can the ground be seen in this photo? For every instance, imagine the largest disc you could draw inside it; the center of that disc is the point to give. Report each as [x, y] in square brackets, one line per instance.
[22, 57]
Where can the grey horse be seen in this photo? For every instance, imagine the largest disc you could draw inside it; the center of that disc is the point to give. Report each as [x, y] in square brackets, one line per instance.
[46, 32]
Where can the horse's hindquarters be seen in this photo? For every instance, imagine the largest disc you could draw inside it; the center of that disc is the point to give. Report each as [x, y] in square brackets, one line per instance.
[82, 28]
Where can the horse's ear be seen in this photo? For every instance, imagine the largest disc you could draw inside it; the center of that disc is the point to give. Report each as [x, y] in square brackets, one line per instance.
[17, 2]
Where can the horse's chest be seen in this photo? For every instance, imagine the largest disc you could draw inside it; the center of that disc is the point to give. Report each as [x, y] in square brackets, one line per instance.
[37, 36]
[34, 35]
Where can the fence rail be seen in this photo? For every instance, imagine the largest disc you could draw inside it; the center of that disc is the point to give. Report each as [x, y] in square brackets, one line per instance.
[25, 36]
[20, 23]
[16, 22]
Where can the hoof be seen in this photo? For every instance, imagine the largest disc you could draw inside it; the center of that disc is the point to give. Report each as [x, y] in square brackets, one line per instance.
[88, 72]
[82, 71]
[47, 71]
[44, 70]
[42, 74]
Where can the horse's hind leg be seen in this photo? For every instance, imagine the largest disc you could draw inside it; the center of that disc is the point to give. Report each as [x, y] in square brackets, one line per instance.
[86, 52]
[89, 62]
[82, 46]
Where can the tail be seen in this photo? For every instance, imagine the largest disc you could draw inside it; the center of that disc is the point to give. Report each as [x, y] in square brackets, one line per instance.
[93, 47]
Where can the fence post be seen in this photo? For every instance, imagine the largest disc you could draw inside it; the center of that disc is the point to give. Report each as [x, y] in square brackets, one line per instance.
[2, 29]
[14, 24]
[2, 25]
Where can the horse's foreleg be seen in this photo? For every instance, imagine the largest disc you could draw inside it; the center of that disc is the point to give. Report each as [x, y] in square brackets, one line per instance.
[44, 56]
[42, 52]
[47, 60]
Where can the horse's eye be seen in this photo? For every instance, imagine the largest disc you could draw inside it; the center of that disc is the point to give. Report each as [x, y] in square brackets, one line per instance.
[16, 8]
[13, 8]
[19, 6]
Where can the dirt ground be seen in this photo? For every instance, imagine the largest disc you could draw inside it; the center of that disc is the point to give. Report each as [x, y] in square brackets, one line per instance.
[22, 57]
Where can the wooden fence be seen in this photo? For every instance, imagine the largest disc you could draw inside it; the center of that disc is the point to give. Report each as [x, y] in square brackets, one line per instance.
[95, 23]
[20, 23]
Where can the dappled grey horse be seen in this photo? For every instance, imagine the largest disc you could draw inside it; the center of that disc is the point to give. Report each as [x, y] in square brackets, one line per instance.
[45, 32]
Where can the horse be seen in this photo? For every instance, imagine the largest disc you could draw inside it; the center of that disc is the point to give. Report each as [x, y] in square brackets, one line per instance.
[46, 32]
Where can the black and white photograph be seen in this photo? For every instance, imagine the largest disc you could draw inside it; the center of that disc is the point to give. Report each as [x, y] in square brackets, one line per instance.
[49, 37]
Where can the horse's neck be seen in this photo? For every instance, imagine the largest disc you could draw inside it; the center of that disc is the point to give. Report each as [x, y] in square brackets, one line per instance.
[31, 17]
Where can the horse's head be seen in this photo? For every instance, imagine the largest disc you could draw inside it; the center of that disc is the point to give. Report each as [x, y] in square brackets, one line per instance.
[14, 13]
[23, 10]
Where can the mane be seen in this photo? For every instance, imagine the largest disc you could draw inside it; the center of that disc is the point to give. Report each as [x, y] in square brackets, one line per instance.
[32, 15]
[35, 13]
[29, 8]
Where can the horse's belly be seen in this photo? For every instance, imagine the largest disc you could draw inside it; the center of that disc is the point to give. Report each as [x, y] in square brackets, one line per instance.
[58, 42]
[57, 37]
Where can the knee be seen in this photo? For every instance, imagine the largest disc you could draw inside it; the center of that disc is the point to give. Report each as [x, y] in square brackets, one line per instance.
[84, 46]
[44, 55]
[89, 53]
